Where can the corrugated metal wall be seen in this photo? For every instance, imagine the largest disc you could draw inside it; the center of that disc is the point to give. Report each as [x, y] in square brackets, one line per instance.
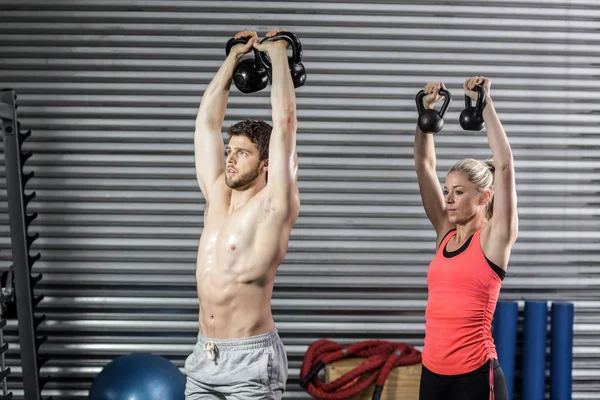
[111, 89]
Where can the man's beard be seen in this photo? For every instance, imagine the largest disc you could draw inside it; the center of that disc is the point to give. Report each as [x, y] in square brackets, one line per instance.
[239, 182]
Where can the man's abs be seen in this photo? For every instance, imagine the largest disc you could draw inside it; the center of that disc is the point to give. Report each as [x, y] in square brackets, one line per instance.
[234, 293]
[238, 255]
[237, 311]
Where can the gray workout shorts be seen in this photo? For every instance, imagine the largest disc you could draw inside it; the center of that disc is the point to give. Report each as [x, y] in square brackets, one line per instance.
[249, 368]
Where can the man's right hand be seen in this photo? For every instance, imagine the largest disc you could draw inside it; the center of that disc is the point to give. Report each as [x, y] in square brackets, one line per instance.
[432, 94]
[240, 49]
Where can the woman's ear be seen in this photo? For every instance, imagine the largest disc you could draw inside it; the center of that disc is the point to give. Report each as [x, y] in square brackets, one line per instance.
[485, 197]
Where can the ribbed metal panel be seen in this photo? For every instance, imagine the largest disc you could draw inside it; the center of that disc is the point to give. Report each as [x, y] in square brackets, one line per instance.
[111, 88]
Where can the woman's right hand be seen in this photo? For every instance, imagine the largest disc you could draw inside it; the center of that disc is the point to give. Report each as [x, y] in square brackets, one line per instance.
[471, 83]
[432, 94]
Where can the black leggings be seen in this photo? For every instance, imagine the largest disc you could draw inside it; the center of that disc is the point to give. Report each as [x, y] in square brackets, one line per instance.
[470, 386]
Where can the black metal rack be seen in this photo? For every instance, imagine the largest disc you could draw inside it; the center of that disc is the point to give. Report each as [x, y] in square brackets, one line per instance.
[21, 242]
[5, 296]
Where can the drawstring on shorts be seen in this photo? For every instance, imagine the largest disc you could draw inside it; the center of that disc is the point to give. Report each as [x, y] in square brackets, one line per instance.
[210, 348]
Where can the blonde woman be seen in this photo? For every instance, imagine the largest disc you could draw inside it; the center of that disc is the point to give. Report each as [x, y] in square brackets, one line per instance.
[475, 220]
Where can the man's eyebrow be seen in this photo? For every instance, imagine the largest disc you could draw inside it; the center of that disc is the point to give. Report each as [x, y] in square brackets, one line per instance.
[237, 148]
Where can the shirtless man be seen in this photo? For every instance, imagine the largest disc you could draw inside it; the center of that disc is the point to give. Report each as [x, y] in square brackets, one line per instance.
[247, 223]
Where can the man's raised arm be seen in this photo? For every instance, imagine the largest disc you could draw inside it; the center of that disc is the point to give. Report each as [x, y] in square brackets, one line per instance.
[283, 161]
[209, 150]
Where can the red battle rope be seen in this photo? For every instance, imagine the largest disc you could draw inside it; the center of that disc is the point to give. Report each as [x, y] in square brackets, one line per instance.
[380, 357]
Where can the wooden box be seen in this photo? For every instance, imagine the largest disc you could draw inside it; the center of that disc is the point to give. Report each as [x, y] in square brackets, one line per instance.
[402, 382]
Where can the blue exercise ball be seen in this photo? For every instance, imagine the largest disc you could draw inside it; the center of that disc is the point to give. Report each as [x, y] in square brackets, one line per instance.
[139, 377]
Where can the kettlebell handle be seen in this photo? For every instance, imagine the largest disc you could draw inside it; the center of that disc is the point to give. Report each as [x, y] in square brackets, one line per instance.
[234, 42]
[479, 104]
[443, 109]
[288, 37]
[243, 40]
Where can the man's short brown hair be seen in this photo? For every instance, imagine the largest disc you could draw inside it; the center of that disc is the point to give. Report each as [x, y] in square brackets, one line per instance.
[259, 133]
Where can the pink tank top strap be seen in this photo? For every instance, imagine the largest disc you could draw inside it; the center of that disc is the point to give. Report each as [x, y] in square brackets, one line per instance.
[446, 239]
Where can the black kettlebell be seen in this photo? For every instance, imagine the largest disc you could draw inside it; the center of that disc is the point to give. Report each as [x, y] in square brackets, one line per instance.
[471, 119]
[296, 67]
[432, 121]
[250, 75]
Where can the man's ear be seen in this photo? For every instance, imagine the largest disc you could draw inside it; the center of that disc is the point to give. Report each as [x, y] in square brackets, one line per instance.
[264, 165]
